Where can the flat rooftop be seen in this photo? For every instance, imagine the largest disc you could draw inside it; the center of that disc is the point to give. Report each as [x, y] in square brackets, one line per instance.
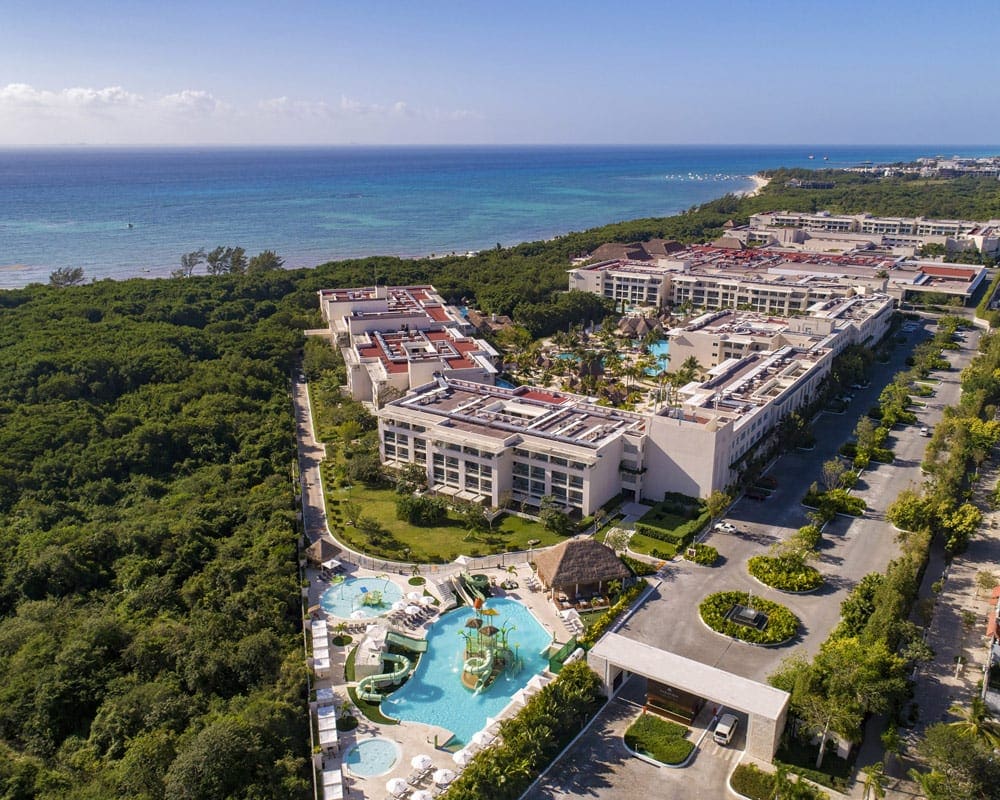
[733, 691]
[498, 413]
[399, 349]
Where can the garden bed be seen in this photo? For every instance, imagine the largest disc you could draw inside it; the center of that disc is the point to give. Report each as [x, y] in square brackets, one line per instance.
[782, 624]
[659, 739]
[785, 574]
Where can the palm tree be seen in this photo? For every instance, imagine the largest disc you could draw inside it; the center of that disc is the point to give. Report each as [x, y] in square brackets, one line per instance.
[976, 722]
[874, 785]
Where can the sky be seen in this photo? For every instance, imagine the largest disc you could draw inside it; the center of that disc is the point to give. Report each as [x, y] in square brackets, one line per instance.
[220, 72]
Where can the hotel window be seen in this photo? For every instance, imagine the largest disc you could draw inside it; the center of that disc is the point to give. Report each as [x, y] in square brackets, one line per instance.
[520, 484]
[559, 478]
[538, 487]
[538, 473]
[520, 468]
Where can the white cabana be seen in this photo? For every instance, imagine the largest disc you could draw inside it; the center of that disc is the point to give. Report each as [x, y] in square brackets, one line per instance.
[332, 563]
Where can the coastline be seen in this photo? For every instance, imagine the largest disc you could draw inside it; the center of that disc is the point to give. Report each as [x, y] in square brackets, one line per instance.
[759, 182]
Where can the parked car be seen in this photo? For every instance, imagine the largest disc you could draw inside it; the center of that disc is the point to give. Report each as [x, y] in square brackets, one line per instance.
[725, 729]
[727, 527]
[925, 431]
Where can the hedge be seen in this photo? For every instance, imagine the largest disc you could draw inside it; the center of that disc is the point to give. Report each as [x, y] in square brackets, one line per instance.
[659, 739]
[786, 574]
[782, 624]
[678, 536]
[603, 622]
[529, 741]
[756, 784]
[638, 567]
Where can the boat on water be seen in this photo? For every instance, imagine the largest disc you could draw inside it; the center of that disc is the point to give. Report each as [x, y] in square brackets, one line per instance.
[811, 156]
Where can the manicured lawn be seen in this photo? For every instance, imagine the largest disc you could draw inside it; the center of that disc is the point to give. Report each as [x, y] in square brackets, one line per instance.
[646, 545]
[659, 739]
[434, 543]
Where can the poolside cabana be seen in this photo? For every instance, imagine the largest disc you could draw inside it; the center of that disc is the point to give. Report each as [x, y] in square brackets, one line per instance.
[579, 569]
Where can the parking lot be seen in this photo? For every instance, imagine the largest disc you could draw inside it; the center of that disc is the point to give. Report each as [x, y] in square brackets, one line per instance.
[851, 548]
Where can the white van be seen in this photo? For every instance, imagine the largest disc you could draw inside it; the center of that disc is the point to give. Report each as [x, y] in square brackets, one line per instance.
[725, 729]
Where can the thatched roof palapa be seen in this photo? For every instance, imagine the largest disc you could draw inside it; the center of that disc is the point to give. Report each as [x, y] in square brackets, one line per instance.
[321, 550]
[579, 562]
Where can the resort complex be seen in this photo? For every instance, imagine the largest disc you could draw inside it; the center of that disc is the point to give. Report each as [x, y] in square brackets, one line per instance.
[484, 443]
[771, 279]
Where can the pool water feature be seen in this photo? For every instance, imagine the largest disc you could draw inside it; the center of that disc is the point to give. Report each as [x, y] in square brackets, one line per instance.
[373, 757]
[349, 596]
[435, 695]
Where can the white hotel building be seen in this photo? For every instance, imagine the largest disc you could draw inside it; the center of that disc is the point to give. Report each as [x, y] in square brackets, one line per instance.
[480, 442]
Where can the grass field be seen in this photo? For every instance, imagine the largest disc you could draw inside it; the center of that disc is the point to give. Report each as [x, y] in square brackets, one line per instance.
[433, 543]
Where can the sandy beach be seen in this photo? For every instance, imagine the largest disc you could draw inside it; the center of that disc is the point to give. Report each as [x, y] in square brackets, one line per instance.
[759, 182]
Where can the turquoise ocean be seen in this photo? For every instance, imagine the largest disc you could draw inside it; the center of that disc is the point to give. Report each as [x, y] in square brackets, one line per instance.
[132, 212]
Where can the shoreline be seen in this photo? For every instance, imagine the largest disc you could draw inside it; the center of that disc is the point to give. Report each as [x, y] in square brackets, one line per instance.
[759, 182]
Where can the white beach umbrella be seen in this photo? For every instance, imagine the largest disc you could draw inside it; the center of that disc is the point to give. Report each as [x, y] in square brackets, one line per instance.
[520, 696]
[490, 722]
[412, 610]
[399, 605]
[421, 794]
[421, 761]
[443, 777]
[462, 757]
[538, 682]
[359, 614]
[480, 738]
[396, 785]
[414, 597]
[426, 600]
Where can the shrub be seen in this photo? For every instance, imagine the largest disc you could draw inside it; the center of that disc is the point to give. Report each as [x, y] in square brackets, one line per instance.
[532, 739]
[751, 781]
[659, 739]
[785, 573]
[603, 622]
[638, 567]
[782, 624]
[703, 554]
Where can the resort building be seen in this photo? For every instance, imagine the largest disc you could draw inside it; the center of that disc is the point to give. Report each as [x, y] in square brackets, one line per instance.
[717, 336]
[485, 443]
[905, 235]
[395, 337]
[770, 280]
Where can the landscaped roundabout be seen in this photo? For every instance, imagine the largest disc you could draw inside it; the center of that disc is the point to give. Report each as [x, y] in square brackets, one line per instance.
[785, 574]
[749, 619]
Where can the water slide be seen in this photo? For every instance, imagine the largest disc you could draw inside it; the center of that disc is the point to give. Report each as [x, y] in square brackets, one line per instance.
[367, 686]
[479, 666]
[406, 642]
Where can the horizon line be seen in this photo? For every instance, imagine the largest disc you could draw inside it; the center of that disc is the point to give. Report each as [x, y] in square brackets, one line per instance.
[359, 145]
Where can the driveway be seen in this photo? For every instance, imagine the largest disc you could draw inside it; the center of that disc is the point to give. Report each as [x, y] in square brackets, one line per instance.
[851, 548]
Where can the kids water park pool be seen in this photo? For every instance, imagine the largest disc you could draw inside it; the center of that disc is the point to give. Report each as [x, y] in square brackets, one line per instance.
[435, 694]
[356, 597]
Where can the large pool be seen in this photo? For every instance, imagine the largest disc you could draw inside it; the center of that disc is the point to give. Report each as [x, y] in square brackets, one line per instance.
[347, 597]
[434, 694]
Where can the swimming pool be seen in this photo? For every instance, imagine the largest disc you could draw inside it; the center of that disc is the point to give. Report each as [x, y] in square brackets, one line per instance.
[346, 598]
[662, 352]
[372, 757]
[434, 694]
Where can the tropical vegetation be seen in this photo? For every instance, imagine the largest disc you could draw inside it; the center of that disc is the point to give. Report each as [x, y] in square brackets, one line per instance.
[659, 739]
[781, 625]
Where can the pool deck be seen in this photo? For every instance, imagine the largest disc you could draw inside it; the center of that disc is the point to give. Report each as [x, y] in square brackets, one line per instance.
[414, 738]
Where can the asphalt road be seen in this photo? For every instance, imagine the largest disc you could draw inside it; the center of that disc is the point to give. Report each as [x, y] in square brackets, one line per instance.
[851, 548]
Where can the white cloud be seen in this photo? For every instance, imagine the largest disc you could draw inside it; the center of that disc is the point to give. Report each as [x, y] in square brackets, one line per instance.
[114, 115]
[192, 101]
[23, 95]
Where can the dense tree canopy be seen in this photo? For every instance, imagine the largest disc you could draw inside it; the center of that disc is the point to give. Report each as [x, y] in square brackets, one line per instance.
[148, 588]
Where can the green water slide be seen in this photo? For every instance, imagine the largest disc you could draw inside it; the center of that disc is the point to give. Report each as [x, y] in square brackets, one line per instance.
[406, 642]
[367, 687]
[479, 665]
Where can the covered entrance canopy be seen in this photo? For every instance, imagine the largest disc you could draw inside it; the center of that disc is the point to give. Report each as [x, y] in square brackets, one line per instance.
[615, 656]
